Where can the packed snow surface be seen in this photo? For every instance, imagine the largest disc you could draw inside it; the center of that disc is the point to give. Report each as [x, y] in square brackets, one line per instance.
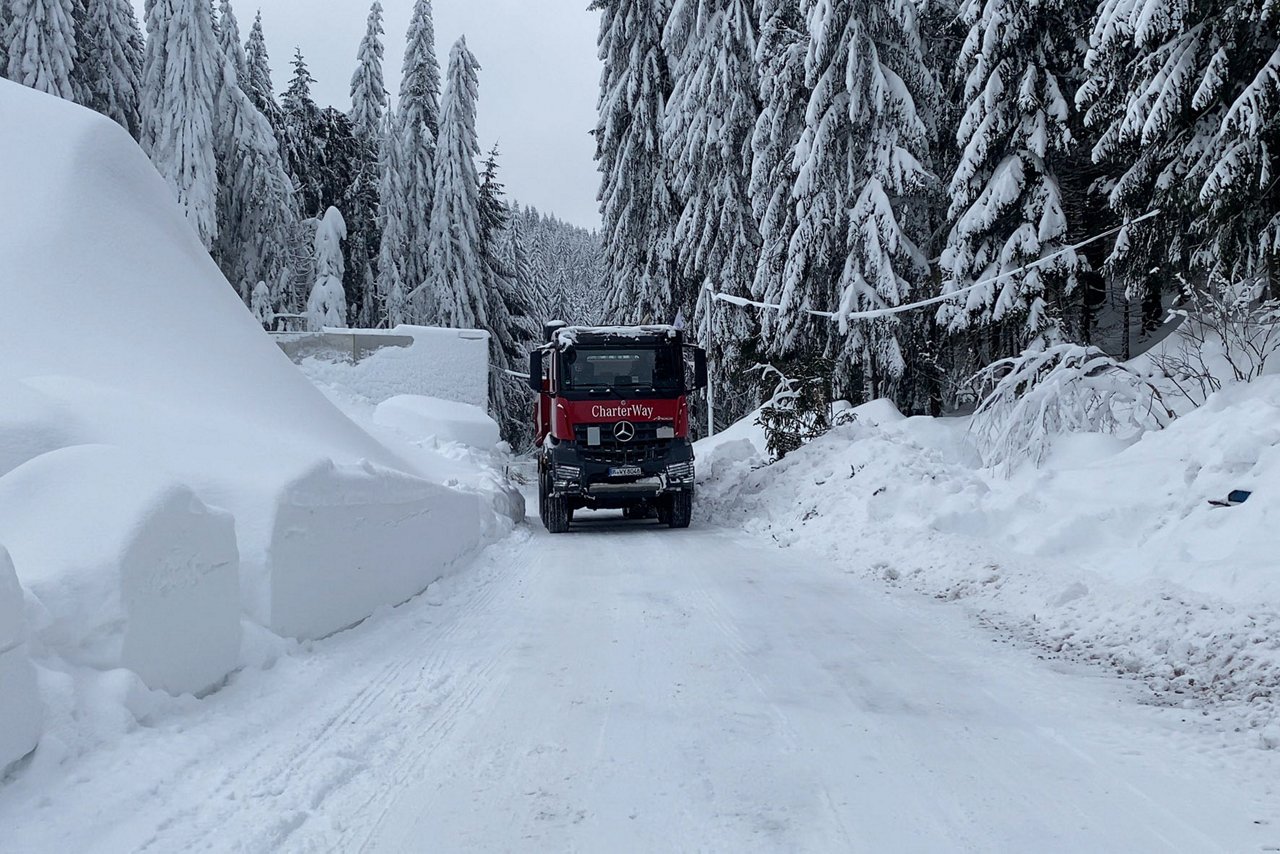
[630, 688]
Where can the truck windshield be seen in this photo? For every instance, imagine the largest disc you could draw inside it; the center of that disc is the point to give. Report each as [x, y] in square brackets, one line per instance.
[623, 369]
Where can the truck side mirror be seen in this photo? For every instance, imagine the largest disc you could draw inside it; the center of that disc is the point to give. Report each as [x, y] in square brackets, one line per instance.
[535, 371]
[699, 368]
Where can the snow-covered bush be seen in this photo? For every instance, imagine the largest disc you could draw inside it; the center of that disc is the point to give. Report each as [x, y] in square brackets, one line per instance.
[1228, 334]
[799, 409]
[1066, 388]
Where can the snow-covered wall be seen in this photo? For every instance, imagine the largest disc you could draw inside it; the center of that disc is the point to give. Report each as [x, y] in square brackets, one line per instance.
[450, 364]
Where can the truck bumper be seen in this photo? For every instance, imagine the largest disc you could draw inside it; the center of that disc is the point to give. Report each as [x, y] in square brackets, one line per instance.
[597, 485]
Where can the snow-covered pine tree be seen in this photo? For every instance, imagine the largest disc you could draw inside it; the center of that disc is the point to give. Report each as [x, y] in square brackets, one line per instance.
[707, 140]
[455, 257]
[302, 131]
[86, 65]
[41, 42]
[256, 209]
[1006, 203]
[229, 40]
[260, 305]
[116, 40]
[368, 86]
[391, 221]
[636, 201]
[257, 84]
[861, 179]
[368, 111]
[419, 114]
[1187, 99]
[4, 38]
[780, 58]
[180, 79]
[327, 305]
[507, 307]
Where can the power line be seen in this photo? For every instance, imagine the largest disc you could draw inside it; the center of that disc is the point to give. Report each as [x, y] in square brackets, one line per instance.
[743, 302]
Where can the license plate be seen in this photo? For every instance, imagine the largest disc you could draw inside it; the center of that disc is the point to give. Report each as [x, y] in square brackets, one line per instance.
[625, 471]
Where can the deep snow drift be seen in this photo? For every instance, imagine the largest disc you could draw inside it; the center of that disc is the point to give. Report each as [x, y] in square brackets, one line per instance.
[1110, 551]
[119, 331]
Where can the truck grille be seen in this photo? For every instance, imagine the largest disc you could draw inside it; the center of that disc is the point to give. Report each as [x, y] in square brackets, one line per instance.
[645, 447]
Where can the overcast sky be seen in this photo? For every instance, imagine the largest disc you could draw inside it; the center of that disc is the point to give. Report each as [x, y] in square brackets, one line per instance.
[538, 85]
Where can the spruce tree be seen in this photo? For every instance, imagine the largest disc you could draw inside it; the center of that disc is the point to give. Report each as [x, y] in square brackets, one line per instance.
[180, 79]
[257, 84]
[368, 111]
[707, 137]
[1007, 208]
[327, 305]
[255, 197]
[453, 237]
[861, 180]
[303, 127]
[229, 41]
[636, 201]
[113, 38]
[392, 224]
[41, 41]
[780, 57]
[1186, 98]
[419, 114]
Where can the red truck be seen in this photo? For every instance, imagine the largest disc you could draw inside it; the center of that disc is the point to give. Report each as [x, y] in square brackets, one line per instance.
[613, 422]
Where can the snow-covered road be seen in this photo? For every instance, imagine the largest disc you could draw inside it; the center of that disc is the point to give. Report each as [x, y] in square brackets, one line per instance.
[631, 688]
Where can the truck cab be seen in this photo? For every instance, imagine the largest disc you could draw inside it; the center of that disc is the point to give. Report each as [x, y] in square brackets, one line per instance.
[612, 422]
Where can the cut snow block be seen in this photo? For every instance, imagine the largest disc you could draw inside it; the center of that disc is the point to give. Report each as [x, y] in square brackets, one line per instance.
[131, 567]
[20, 710]
[420, 417]
[350, 539]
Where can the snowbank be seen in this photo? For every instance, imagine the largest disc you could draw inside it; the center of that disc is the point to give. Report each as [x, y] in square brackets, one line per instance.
[335, 567]
[449, 364]
[1110, 552]
[118, 329]
[20, 711]
[129, 568]
[443, 420]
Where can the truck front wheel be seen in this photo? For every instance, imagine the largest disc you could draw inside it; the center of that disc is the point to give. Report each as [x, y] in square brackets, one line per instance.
[558, 515]
[680, 509]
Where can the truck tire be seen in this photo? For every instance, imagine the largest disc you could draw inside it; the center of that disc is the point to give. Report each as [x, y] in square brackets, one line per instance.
[681, 511]
[558, 515]
[543, 491]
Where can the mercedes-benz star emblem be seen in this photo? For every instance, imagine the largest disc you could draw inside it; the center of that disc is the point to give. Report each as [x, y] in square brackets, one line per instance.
[624, 431]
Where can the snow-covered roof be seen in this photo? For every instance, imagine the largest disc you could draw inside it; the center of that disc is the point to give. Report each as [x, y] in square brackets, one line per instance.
[569, 335]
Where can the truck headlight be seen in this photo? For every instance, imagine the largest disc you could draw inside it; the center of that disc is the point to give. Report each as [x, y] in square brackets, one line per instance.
[568, 474]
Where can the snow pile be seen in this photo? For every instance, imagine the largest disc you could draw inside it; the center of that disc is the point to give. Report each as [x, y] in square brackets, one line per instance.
[444, 420]
[119, 330]
[450, 364]
[20, 712]
[128, 567]
[334, 568]
[1111, 551]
